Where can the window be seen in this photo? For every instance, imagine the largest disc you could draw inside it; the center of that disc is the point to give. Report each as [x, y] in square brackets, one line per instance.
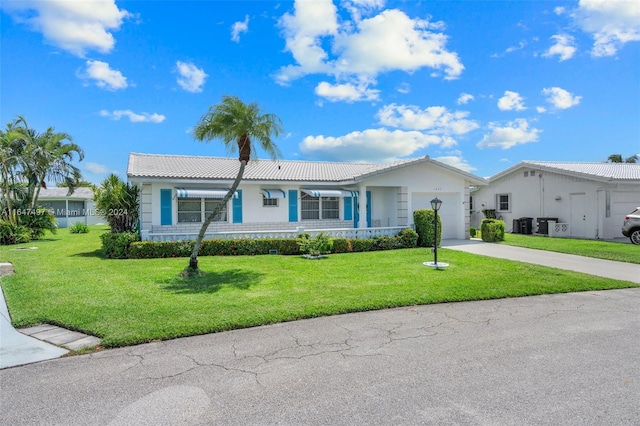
[471, 203]
[58, 208]
[533, 173]
[503, 202]
[269, 202]
[76, 208]
[312, 207]
[197, 209]
[526, 174]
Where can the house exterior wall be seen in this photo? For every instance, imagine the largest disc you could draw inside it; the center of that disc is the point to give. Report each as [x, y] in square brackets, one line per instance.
[580, 202]
[394, 197]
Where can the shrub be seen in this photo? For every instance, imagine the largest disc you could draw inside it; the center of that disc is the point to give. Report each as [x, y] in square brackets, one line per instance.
[359, 245]
[408, 238]
[492, 230]
[116, 245]
[78, 228]
[118, 202]
[472, 232]
[320, 244]
[341, 245]
[38, 221]
[385, 243]
[423, 220]
[13, 233]
[216, 247]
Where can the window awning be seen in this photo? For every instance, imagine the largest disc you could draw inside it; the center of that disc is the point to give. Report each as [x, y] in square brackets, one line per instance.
[273, 193]
[330, 193]
[202, 193]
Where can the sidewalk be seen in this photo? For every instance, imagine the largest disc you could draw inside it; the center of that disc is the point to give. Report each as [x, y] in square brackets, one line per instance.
[588, 265]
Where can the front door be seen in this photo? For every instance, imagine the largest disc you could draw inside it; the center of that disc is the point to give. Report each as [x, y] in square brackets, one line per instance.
[578, 216]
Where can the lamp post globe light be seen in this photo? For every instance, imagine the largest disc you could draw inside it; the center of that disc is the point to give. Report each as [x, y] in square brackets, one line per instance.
[436, 203]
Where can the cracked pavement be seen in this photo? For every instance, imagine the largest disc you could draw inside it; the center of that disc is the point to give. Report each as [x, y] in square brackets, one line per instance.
[554, 359]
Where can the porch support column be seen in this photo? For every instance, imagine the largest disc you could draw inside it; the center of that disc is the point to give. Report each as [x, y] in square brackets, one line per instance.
[362, 206]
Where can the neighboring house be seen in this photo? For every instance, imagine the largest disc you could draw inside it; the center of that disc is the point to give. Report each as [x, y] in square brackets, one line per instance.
[281, 195]
[589, 200]
[72, 208]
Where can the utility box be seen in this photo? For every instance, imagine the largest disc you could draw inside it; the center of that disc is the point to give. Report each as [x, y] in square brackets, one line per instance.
[543, 224]
[526, 225]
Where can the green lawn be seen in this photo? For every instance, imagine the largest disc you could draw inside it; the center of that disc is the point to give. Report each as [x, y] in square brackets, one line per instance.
[66, 282]
[622, 252]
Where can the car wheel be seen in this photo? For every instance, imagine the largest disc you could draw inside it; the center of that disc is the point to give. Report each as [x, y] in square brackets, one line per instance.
[635, 236]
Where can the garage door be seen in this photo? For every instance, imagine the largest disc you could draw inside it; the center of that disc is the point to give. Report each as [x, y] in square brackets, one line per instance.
[622, 203]
[449, 212]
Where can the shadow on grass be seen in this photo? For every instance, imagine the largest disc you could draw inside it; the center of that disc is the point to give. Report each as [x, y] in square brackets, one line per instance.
[211, 282]
[95, 253]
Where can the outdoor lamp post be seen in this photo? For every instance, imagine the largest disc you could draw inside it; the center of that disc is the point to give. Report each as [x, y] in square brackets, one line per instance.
[436, 203]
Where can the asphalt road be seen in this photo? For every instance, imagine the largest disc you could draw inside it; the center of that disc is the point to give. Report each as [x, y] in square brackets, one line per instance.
[561, 359]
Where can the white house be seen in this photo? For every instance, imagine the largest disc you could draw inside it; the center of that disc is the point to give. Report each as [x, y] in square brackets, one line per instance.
[71, 208]
[588, 200]
[283, 197]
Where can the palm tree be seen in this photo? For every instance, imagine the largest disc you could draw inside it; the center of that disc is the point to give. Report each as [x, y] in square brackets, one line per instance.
[617, 158]
[119, 202]
[11, 148]
[48, 157]
[238, 125]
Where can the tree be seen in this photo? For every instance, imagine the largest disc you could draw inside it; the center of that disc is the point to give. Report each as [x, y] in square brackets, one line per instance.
[118, 201]
[238, 125]
[617, 158]
[11, 147]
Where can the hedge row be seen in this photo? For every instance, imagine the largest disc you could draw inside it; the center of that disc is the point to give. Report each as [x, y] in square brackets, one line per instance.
[121, 246]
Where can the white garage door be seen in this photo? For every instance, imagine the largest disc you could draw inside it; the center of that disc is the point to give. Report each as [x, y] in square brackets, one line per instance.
[622, 203]
[449, 212]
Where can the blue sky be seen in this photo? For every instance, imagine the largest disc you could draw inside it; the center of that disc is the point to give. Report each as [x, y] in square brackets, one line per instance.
[478, 85]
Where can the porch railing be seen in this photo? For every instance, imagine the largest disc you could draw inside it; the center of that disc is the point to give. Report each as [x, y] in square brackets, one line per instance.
[362, 233]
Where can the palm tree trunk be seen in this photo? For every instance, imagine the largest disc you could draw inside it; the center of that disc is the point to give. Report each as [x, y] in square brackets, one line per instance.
[193, 259]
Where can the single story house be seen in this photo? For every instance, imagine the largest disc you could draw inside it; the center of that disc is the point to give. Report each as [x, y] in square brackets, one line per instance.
[71, 208]
[586, 200]
[283, 198]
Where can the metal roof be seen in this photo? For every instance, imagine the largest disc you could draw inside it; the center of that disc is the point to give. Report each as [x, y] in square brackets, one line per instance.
[219, 168]
[620, 172]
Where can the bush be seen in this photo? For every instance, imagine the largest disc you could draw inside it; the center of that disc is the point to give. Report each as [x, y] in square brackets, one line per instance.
[423, 220]
[359, 245]
[38, 221]
[13, 233]
[408, 238]
[216, 247]
[472, 232]
[492, 230]
[78, 228]
[341, 245]
[320, 244]
[116, 245]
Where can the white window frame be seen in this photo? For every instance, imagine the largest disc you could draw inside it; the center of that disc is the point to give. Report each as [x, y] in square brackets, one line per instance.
[321, 209]
[499, 203]
[223, 216]
[269, 202]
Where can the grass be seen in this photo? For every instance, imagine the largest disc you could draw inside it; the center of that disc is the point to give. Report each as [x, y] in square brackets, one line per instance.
[66, 282]
[621, 252]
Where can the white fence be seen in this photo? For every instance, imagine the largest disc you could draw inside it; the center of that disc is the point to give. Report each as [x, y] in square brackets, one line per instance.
[362, 233]
[559, 229]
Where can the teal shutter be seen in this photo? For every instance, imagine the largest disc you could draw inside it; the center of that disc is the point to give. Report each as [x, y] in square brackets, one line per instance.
[293, 205]
[348, 208]
[237, 207]
[165, 207]
[368, 209]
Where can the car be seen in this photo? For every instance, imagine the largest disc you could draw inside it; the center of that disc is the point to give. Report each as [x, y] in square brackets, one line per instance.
[631, 226]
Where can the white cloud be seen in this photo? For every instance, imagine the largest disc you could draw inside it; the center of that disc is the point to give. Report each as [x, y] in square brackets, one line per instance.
[239, 27]
[142, 117]
[191, 77]
[612, 24]
[560, 98]
[104, 76]
[559, 10]
[372, 145]
[511, 101]
[541, 109]
[564, 47]
[363, 48]
[464, 98]
[456, 161]
[346, 92]
[434, 120]
[96, 168]
[403, 88]
[516, 132]
[75, 26]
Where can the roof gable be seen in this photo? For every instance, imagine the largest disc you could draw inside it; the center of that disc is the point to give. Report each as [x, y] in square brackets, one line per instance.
[603, 172]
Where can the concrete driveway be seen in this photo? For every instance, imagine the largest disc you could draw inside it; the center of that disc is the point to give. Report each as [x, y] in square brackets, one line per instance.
[560, 359]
